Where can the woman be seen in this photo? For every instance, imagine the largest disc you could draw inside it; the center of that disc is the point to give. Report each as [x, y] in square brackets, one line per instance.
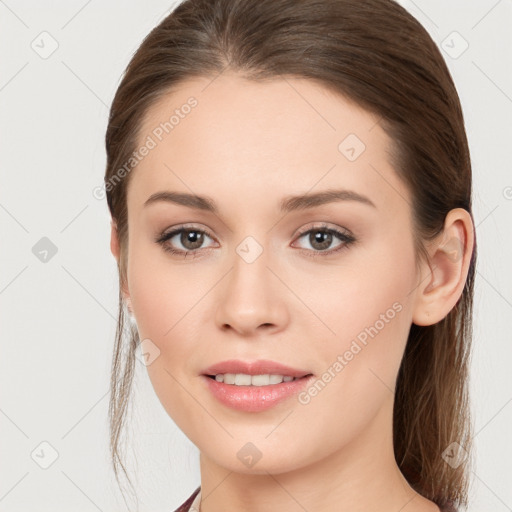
[290, 190]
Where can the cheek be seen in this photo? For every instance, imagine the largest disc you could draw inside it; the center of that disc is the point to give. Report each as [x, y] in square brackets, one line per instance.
[369, 309]
[162, 293]
[167, 298]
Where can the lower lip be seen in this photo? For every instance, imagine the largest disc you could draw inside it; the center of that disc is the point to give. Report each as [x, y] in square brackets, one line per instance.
[255, 398]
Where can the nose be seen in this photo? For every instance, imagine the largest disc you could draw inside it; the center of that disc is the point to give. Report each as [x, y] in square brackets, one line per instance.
[251, 300]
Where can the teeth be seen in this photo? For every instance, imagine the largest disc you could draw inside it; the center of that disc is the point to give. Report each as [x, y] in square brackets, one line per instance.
[242, 379]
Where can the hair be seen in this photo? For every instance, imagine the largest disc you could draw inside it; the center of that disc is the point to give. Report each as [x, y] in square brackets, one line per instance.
[379, 56]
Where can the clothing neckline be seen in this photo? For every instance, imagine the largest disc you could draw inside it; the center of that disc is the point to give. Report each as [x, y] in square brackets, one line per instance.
[196, 503]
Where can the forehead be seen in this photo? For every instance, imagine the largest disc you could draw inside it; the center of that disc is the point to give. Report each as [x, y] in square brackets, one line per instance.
[230, 132]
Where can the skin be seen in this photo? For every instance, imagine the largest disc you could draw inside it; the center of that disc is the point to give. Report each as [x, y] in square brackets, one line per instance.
[247, 145]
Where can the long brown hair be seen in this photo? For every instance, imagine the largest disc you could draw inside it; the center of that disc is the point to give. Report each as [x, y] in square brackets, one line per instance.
[378, 55]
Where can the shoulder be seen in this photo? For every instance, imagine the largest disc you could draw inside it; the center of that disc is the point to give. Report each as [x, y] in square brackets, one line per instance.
[184, 507]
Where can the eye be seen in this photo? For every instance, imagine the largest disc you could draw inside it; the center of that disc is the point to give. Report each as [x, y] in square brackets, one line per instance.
[189, 237]
[321, 238]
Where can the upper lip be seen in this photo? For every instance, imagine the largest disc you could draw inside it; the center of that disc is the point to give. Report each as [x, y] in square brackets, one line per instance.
[260, 367]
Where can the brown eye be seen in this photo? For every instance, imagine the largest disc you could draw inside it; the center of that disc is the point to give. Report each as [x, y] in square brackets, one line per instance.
[183, 240]
[321, 239]
[193, 237]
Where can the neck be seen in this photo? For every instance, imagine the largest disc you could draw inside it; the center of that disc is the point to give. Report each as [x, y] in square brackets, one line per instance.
[361, 476]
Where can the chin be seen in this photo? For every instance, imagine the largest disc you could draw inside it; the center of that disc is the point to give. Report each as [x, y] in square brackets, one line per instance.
[247, 459]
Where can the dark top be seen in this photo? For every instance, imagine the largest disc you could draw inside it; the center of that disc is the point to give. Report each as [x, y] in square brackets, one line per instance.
[186, 505]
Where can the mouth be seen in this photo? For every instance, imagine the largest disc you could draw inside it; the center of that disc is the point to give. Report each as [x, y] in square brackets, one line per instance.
[254, 387]
[244, 379]
[240, 372]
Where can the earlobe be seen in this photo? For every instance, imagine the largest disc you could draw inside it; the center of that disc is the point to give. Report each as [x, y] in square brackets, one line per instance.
[449, 259]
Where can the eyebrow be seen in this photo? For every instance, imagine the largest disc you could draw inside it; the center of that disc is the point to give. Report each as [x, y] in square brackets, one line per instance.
[288, 204]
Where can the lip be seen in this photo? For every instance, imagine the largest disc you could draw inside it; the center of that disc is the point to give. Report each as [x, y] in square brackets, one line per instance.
[260, 367]
[254, 398]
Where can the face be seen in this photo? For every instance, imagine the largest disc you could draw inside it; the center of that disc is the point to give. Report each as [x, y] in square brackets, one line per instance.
[324, 286]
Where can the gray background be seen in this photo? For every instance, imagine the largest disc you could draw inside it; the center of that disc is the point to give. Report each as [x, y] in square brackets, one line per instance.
[58, 316]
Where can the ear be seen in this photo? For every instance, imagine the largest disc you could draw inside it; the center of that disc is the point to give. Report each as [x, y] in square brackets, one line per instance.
[447, 269]
[116, 251]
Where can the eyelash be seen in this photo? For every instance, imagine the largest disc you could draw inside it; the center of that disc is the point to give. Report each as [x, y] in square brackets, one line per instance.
[346, 239]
